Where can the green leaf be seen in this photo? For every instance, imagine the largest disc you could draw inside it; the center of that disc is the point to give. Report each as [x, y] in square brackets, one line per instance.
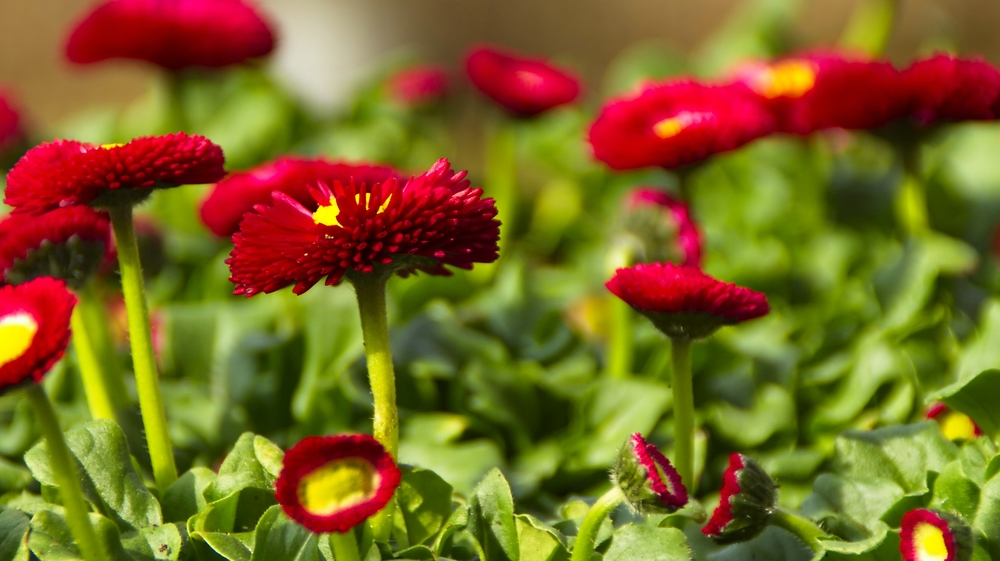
[881, 545]
[50, 538]
[773, 411]
[232, 547]
[863, 500]
[159, 543]
[987, 519]
[14, 535]
[107, 476]
[982, 352]
[244, 488]
[538, 541]
[976, 397]
[877, 363]
[13, 477]
[185, 497]
[618, 409]
[278, 538]
[491, 518]
[902, 454]
[424, 500]
[647, 543]
[773, 544]
[955, 492]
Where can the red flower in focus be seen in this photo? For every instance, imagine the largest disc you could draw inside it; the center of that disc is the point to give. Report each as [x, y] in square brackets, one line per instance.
[419, 85]
[955, 425]
[10, 124]
[68, 173]
[34, 329]
[174, 34]
[333, 483]
[432, 220]
[524, 86]
[683, 301]
[647, 479]
[669, 213]
[748, 499]
[67, 243]
[946, 88]
[676, 124]
[819, 91]
[237, 194]
[930, 535]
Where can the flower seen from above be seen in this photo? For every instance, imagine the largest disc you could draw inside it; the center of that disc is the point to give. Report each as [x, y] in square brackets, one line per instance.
[333, 483]
[419, 85]
[430, 221]
[664, 226]
[817, 91]
[675, 124]
[70, 244]
[749, 497]
[683, 302]
[34, 329]
[932, 535]
[237, 194]
[69, 173]
[647, 479]
[947, 88]
[174, 34]
[955, 425]
[523, 86]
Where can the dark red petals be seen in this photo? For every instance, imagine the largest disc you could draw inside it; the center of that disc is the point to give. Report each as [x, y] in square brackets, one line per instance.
[663, 478]
[22, 234]
[46, 304]
[173, 34]
[723, 515]
[947, 88]
[524, 86]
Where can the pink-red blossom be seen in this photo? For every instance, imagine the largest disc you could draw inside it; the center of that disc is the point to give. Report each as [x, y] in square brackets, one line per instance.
[946, 88]
[671, 224]
[34, 329]
[419, 85]
[524, 86]
[931, 535]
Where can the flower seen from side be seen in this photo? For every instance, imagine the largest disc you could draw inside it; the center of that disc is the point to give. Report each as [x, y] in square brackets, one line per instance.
[749, 498]
[11, 127]
[237, 194]
[664, 226]
[955, 425]
[173, 34]
[70, 244]
[419, 85]
[34, 329]
[647, 479]
[333, 483]
[523, 86]
[675, 124]
[683, 302]
[433, 220]
[69, 173]
[947, 88]
[933, 535]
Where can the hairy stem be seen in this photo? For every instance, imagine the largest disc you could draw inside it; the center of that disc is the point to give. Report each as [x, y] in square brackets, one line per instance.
[801, 527]
[586, 538]
[102, 381]
[683, 412]
[345, 547]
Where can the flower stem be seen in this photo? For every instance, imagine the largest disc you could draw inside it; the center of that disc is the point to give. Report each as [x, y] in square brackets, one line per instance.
[370, 289]
[620, 340]
[103, 384]
[174, 119]
[154, 416]
[683, 412]
[586, 537]
[501, 177]
[801, 527]
[345, 546]
[63, 469]
[911, 201]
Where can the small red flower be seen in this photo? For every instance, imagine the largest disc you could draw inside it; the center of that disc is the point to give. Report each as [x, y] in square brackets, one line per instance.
[683, 301]
[677, 123]
[174, 34]
[11, 132]
[333, 483]
[748, 499]
[946, 88]
[930, 535]
[69, 173]
[669, 214]
[67, 243]
[237, 194]
[647, 479]
[432, 220]
[34, 329]
[954, 424]
[419, 85]
[524, 86]
[817, 91]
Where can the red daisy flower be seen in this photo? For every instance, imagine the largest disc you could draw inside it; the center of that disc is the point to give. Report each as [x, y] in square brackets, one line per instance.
[524, 86]
[666, 223]
[34, 329]
[432, 220]
[68, 243]
[954, 424]
[419, 85]
[683, 301]
[174, 34]
[69, 173]
[10, 124]
[675, 124]
[748, 499]
[931, 535]
[818, 91]
[333, 483]
[946, 88]
[647, 479]
[237, 194]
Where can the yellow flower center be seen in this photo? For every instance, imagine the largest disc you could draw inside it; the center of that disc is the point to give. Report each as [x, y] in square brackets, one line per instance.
[110, 146]
[529, 79]
[929, 541]
[327, 214]
[671, 127]
[17, 331]
[957, 426]
[792, 78]
[338, 485]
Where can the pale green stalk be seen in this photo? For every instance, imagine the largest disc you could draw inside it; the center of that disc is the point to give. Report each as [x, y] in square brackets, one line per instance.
[683, 412]
[586, 537]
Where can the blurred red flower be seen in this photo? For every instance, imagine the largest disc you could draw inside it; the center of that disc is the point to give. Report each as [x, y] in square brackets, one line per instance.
[11, 131]
[671, 214]
[34, 329]
[419, 85]
[947, 88]
[524, 86]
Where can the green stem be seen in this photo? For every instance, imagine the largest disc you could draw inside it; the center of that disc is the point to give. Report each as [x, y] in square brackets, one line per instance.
[911, 200]
[586, 537]
[370, 289]
[683, 412]
[154, 416]
[63, 469]
[95, 319]
[103, 384]
[345, 546]
[801, 527]
[501, 178]
[175, 120]
[621, 340]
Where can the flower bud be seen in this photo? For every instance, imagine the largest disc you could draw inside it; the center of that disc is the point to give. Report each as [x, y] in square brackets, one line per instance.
[748, 499]
[662, 226]
[932, 535]
[648, 481]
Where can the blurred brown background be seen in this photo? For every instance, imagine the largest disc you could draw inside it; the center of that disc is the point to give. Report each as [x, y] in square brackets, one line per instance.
[328, 46]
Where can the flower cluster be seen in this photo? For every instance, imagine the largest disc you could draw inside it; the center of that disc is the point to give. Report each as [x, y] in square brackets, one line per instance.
[34, 329]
